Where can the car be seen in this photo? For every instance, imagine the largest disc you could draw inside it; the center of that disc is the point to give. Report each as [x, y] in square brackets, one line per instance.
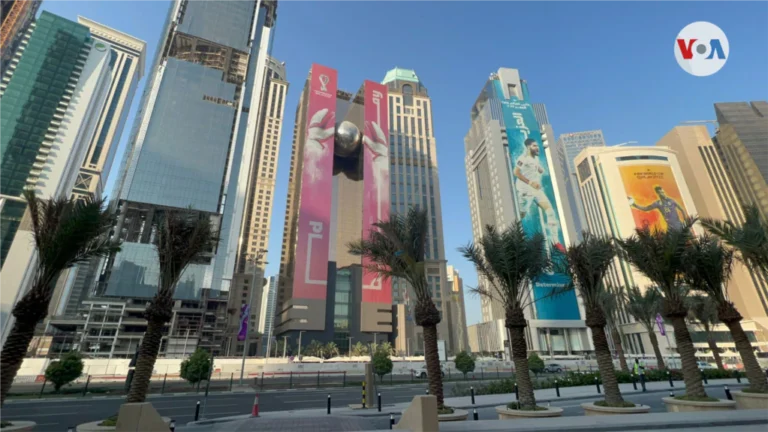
[704, 365]
[423, 374]
[553, 368]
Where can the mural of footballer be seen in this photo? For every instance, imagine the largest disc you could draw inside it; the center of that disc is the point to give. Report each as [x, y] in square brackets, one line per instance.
[528, 173]
[667, 206]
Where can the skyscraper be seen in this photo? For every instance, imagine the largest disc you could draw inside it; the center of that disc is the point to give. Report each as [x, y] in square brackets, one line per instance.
[509, 179]
[715, 197]
[741, 141]
[52, 94]
[565, 150]
[193, 142]
[267, 313]
[414, 182]
[457, 317]
[17, 15]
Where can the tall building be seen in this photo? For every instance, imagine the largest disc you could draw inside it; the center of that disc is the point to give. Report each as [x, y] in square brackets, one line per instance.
[456, 317]
[52, 95]
[414, 182]
[741, 142]
[714, 197]
[267, 313]
[566, 148]
[338, 187]
[194, 142]
[509, 178]
[17, 15]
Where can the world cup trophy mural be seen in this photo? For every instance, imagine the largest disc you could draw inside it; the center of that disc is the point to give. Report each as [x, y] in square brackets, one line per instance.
[346, 145]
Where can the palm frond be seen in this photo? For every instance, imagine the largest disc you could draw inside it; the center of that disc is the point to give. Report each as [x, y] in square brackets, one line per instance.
[586, 264]
[643, 305]
[704, 310]
[750, 238]
[708, 266]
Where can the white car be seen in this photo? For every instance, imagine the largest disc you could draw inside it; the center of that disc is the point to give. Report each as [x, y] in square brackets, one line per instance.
[423, 374]
[704, 365]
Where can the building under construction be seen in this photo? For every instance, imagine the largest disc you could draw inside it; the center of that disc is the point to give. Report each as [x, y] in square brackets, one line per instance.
[16, 17]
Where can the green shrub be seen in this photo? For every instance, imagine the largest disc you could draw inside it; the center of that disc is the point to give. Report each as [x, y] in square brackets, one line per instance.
[197, 367]
[535, 364]
[382, 364]
[464, 363]
[65, 370]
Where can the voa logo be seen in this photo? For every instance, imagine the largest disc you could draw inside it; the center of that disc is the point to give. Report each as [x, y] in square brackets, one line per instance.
[701, 48]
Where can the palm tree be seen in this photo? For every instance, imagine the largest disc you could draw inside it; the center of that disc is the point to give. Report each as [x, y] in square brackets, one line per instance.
[386, 347]
[331, 350]
[708, 269]
[612, 307]
[396, 249]
[659, 255]
[508, 261]
[644, 306]
[359, 349]
[750, 239]
[586, 263]
[65, 232]
[313, 349]
[183, 237]
[703, 311]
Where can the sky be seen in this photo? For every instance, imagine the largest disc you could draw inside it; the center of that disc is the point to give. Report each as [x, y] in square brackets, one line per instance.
[599, 65]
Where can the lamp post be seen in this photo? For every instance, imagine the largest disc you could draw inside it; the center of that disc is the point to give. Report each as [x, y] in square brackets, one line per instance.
[350, 345]
[299, 355]
[256, 259]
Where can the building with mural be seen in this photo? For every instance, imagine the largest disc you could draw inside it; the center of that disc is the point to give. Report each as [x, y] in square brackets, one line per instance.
[509, 176]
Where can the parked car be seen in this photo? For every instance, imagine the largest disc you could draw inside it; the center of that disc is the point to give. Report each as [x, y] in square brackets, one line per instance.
[423, 374]
[704, 365]
[553, 368]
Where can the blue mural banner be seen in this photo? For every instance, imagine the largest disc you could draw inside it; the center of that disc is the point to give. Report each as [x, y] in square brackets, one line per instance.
[535, 201]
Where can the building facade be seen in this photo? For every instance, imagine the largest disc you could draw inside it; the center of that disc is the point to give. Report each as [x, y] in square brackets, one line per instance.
[741, 142]
[414, 183]
[714, 197]
[267, 313]
[457, 317]
[52, 95]
[566, 148]
[508, 168]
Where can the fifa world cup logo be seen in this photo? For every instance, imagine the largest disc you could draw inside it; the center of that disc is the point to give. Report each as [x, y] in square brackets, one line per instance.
[324, 82]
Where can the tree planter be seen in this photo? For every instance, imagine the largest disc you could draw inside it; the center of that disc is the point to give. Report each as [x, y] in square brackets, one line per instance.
[457, 415]
[677, 405]
[591, 409]
[20, 426]
[510, 414]
[748, 400]
[94, 426]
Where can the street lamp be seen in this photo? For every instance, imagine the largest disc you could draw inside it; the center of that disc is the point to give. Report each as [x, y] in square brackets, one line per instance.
[285, 344]
[256, 259]
[350, 345]
[300, 332]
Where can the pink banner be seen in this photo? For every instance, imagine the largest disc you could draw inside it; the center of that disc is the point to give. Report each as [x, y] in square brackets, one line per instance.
[310, 277]
[375, 181]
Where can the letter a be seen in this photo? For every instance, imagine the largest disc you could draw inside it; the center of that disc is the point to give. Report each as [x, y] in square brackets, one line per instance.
[715, 47]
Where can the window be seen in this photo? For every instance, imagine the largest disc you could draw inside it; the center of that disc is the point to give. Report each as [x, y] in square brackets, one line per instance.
[407, 95]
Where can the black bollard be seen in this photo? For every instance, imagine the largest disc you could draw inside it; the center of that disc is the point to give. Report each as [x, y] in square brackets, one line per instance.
[42, 389]
[391, 420]
[704, 377]
[557, 387]
[329, 404]
[517, 394]
[474, 415]
[728, 393]
[597, 384]
[426, 392]
[378, 396]
[634, 381]
[363, 394]
[738, 376]
[642, 381]
[87, 381]
[669, 376]
[172, 425]
[671, 394]
[197, 411]
[472, 391]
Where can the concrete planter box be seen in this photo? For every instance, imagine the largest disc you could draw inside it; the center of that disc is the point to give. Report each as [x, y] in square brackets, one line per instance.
[747, 400]
[509, 414]
[94, 426]
[19, 426]
[676, 405]
[591, 409]
[458, 415]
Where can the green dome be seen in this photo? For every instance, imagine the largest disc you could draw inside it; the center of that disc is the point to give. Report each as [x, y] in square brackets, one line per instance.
[400, 74]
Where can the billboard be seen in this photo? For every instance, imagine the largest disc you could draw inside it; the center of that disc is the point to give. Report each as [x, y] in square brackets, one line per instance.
[653, 196]
[375, 181]
[535, 200]
[311, 264]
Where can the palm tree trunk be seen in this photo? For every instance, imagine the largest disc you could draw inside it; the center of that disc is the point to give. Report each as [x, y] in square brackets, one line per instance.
[691, 374]
[433, 363]
[14, 350]
[757, 380]
[145, 364]
[619, 349]
[656, 351]
[520, 358]
[605, 365]
[715, 351]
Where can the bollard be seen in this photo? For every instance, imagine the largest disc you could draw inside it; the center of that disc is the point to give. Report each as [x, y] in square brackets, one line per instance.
[329, 404]
[255, 409]
[517, 394]
[378, 398]
[738, 376]
[474, 415]
[197, 410]
[42, 389]
[669, 375]
[728, 393]
[363, 394]
[557, 387]
[290, 381]
[391, 420]
[162, 390]
[634, 381]
[704, 377]
[642, 381]
[172, 425]
[597, 384]
[472, 391]
[87, 381]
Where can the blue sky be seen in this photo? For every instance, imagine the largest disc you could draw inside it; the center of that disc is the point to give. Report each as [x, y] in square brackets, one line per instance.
[601, 65]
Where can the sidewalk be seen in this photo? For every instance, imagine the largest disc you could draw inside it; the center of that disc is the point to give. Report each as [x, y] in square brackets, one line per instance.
[465, 402]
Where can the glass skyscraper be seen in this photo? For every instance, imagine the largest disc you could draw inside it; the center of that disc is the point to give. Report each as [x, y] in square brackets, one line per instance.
[193, 141]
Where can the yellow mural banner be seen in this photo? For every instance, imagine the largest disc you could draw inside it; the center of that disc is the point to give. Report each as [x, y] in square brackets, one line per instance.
[653, 196]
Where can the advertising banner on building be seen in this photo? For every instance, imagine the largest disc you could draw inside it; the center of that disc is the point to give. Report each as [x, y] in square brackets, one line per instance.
[653, 195]
[311, 269]
[535, 200]
[375, 181]
[245, 311]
